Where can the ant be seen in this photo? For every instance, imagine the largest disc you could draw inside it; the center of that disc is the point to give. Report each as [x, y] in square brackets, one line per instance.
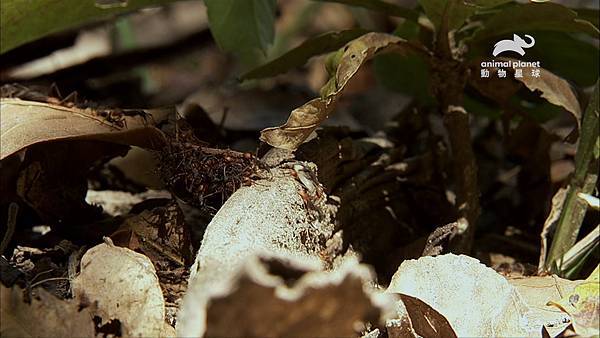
[113, 116]
[22, 92]
[137, 112]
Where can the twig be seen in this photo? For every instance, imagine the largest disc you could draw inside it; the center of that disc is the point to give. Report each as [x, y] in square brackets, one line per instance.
[40, 273]
[48, 280]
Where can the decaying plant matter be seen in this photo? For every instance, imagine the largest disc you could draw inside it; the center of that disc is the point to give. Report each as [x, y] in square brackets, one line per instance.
[201, 175]
[217, 217]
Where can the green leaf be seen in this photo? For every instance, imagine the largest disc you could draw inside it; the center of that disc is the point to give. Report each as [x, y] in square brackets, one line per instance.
[484, 4]
[298, 56]
[25, 21]
[407, 74]
[456, 11]
[541, 112]
[475, 106]
[588, 14]
[404, 74]
[559, 52]
[380, 6]
[555, 52]
[534, 16]
[245, 28]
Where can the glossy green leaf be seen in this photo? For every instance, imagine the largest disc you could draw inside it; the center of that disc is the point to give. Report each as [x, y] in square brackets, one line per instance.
[567, 55]
[534, 16]
[407, 74]
[456, 11]
[25, 21]
[245, 28]
[380, 6]
[298, 56]
[588, 14]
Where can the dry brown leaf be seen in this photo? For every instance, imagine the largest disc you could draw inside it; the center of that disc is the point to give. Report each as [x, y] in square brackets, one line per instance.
[125, 286]
[426, 321]
[555, 90]
[305, 119]
[558, 200]
[583, 305]
[272, 297]
[537, 292]
[53, 178]
[498, 89]
[25, 123]
[46, 316]
[160, 234]
[476, 301]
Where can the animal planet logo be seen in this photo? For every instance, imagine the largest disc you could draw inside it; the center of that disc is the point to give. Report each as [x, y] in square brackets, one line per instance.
[517, 45]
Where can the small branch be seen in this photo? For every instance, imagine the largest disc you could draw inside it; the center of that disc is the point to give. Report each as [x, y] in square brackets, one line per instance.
[449, 81]
[456, 121]
[48, 280]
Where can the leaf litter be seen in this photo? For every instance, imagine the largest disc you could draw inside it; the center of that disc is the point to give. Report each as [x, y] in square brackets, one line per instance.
[271, 237]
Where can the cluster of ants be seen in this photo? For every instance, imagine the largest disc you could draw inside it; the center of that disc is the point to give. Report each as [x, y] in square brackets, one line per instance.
[114, 116]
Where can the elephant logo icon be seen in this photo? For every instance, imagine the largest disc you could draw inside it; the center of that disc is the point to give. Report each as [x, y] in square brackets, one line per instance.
[515, 45]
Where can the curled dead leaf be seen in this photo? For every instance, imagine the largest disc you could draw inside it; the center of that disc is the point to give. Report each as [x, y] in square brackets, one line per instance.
[305, 119]
[25, 123]
[553, 88]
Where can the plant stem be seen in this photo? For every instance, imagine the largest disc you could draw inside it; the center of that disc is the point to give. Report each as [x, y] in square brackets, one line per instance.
[464, 168]
[583, 181]
[449, 81]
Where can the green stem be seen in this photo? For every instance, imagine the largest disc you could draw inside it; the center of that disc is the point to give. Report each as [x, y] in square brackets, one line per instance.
[583, 181]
